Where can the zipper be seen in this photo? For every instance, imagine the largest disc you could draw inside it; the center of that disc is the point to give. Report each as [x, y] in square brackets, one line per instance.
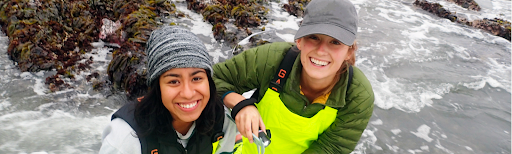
[297, 93]
[306, 101]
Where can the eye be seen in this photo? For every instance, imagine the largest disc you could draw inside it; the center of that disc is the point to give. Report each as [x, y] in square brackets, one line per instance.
[197, 79]
[313, 37]
[174, 82]
[336, 42]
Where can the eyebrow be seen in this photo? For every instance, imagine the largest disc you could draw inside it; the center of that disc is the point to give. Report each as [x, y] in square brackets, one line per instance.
[177, 75]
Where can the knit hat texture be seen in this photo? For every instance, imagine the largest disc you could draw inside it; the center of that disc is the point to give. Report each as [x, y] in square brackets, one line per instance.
[174, 47]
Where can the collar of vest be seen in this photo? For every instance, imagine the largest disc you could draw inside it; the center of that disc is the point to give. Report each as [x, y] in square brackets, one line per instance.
[338, 92]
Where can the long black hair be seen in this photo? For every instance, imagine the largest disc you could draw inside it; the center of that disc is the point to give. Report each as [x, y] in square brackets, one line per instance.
[153, 117]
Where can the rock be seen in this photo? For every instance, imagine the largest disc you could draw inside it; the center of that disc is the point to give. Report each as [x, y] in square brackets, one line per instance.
[47, 39]
[296, 7]
[126, 70]
[56, 34]
[496, 26]
[243, 14]
[469, 4]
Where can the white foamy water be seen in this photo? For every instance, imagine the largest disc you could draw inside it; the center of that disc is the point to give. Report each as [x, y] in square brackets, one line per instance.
[58, 132]
[423, 132]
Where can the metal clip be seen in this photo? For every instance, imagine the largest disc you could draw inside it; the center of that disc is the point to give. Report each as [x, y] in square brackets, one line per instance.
[262, 141]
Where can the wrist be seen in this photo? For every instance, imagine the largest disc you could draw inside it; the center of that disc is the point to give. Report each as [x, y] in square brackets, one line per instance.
[241, 105]
[225, 94]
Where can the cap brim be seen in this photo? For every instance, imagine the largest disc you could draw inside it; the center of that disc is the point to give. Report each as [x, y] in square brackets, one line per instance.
[336, 32]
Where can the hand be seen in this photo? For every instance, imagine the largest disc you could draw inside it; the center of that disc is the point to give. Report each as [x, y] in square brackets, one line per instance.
[248, 121]
[140, 98]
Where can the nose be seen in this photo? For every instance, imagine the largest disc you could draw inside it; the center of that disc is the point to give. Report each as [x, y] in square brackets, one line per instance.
[187, 91]
[322, 48]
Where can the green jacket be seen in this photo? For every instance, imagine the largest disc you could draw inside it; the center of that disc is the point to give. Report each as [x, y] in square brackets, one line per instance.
[256, 67]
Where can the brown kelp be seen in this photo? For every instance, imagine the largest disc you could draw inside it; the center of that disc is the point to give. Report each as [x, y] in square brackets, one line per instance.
[243, 14]
[56, 34]
[296, 7]
[126, 70]
[496, 26]
[49, 34]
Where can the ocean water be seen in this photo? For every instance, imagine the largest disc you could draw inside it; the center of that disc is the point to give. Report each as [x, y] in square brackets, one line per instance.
[440, 87]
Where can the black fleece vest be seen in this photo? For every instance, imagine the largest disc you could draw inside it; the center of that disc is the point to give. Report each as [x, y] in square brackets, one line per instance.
[168, 144]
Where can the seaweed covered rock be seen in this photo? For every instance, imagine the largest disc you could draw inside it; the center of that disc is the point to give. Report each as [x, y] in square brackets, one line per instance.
[468, 4]
[296, 7]
[46, 35]
[243, 14]
[56, 35]
[496, 26]
[127, 69]
[436, 9]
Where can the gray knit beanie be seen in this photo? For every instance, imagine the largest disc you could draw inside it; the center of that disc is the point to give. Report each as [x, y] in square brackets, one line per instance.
[174, 47]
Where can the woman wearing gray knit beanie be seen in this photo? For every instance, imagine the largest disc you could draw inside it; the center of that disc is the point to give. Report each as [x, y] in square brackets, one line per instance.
[181, 112]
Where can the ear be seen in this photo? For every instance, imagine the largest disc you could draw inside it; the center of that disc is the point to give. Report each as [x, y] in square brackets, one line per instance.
[298, 41]
[350, 52]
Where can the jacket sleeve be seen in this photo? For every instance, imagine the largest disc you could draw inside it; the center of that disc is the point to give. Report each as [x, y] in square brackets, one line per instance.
[249, 69]
[343, 135]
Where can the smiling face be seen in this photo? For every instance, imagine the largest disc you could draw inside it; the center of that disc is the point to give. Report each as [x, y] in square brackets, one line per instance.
[185, 93]
[322, 56]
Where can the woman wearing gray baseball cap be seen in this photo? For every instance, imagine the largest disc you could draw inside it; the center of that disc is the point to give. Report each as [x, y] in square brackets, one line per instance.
[310, 95]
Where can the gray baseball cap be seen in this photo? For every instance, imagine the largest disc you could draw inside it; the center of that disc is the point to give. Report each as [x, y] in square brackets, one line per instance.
[335, 18]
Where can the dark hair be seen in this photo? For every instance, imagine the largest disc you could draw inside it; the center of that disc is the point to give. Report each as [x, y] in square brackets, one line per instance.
[153, 118]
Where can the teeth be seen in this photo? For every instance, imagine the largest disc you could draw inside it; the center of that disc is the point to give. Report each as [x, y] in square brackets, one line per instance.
[188, 106]
[318, 62]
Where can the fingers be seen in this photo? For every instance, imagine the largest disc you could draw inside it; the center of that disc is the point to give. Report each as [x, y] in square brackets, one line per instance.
[248, 121]
[238, 137]
[255, 127]
[243, 124]
[262, 126]
[140, 98]
[240, 124]
[248, 132]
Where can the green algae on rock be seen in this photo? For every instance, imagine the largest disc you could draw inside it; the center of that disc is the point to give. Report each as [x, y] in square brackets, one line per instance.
[56, 35]
[296, 7]
[243, 14]
[46, 35]
[126, 70]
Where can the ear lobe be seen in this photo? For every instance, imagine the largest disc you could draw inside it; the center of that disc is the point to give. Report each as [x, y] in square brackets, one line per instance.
[298, 43]
[350, 54]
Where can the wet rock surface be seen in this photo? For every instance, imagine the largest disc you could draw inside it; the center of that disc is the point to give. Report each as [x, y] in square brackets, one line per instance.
[496, 26]
[468, 4]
